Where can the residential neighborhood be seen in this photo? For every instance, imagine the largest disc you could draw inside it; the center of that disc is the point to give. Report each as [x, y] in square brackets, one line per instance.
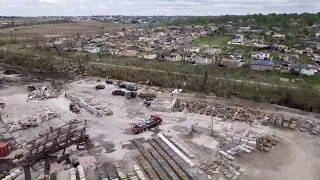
[159, 97]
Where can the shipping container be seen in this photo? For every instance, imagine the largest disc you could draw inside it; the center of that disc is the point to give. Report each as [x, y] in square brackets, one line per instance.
[4, 149]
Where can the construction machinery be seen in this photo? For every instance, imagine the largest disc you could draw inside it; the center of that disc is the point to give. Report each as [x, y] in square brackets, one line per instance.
[142, 126]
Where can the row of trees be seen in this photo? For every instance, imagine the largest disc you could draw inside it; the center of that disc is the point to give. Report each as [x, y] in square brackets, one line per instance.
[257, 20]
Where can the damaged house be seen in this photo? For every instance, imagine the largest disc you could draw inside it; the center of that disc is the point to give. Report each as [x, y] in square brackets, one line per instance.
[260, 55]
[303, 69]
[262, 65]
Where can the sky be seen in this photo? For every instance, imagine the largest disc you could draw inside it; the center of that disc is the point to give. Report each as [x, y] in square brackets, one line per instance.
[154, 7]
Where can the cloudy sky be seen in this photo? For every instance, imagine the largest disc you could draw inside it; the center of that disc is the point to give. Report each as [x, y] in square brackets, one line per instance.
[154, 7]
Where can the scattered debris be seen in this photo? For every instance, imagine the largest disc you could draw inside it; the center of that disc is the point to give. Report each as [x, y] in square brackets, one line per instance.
[73, 107]
[2, 105]
[147, 96]
[222, 167]
[33, 121]
[31, 88]
[265, 143]
[43, 93]
[93, 108]
[10, 72]
[311, 127]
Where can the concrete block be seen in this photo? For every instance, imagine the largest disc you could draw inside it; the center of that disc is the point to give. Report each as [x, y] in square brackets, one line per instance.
[235, 140]
[185, 126]
[222, 135]
[226, 155]
[252, 144]
[244, 141]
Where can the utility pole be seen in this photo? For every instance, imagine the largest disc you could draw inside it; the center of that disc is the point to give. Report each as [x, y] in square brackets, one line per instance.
[211, 125]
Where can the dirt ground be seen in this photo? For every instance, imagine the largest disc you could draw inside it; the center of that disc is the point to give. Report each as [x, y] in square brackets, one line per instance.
[67, 29]
[295, 157]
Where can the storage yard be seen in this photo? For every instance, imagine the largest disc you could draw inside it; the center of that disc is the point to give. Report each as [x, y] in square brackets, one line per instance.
[198, 138]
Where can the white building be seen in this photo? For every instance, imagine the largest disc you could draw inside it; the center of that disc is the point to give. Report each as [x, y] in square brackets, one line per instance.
[260, 55]
[150, 56]
[91, 49]
[192, 50]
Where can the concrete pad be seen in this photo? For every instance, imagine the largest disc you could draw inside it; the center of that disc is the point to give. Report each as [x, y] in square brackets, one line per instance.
[206, 141]
[185, 126]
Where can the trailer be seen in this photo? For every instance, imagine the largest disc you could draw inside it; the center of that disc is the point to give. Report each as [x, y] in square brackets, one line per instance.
[142, 126]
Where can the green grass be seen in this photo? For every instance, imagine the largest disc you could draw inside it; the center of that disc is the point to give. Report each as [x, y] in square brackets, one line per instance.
[304, 59]
[243, 73]
[216, 40]
[238, 73]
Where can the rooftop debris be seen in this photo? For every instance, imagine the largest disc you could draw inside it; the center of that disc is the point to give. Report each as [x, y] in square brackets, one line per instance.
[43, 93]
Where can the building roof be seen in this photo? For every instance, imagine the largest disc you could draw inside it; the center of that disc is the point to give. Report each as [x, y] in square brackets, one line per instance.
[262, 62]
[300, 66]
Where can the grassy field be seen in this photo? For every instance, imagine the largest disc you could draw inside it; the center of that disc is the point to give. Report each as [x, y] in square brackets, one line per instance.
[304, 59]
[244, 73]
[84, 28]
[274, 77]
[216, 40]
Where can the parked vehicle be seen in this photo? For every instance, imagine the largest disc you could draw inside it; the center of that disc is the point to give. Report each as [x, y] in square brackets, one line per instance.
[122, 85]
[109, 82]
[142, 126]
[118, 93]
[100, 86]
[131, 88]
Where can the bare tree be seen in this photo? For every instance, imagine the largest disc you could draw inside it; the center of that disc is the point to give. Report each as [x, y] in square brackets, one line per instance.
[78, 35]
[13, 36]
[101, 30]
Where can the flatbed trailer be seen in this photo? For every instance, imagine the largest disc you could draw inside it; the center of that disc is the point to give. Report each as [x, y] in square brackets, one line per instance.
[142, 126]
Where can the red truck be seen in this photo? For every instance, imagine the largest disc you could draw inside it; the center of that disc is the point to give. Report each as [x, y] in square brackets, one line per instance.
[154, 120]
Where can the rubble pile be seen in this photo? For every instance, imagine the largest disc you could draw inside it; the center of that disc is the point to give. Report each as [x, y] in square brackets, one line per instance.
[147, 96]
[231, 113]
[33, 121]
[222, 167]
[311, 127]
[179, 105]
[43, 93]
[196, 107]
[265, 143]
[280, 121]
